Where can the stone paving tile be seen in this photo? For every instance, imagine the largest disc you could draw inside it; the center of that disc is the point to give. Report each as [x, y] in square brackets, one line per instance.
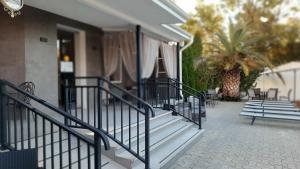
[230, 142]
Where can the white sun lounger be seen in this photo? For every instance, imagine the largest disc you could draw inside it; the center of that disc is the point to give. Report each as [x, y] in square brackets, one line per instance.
[273, 108]
[275, 111]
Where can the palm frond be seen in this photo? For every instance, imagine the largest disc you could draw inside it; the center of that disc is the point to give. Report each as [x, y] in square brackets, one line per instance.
[225, 42]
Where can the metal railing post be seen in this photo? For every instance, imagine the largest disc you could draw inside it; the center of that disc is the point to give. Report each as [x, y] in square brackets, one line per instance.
[99, 102]
[67, 102]
[200, 112]
[3, 119]
[147, 139]
[168, 93]
[178, 90]
[144, 89]
[97, 144]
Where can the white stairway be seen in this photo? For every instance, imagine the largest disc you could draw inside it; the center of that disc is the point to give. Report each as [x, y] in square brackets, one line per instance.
[52, 153]
[169, 137]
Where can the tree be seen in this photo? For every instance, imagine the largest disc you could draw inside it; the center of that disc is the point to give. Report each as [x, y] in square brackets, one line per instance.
[201, 25]
[272, 18]
[276, 20]
[238, 50]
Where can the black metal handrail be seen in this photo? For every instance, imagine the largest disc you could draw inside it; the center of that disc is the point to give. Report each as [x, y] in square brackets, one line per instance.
[91, 100]
[166, 93]
[45, 133]
[184, 86]
[139, 101]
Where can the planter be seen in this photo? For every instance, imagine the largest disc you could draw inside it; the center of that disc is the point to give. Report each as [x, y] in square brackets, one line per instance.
[297, 103]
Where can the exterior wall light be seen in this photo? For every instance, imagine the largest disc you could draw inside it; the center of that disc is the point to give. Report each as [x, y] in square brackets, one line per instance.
[12, 7]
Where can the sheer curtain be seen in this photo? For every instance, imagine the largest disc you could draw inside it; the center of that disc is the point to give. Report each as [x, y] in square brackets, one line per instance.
[111, 58]
[149, 55]
[170, 61]
[128, 53]
[111, 54]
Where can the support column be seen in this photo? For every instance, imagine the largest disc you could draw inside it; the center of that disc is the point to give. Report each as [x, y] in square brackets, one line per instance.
[138, 61]
[3, 119]
[178, 69]
[178, 61]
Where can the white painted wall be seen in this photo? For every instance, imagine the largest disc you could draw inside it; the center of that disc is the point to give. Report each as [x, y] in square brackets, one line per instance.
[271, 80]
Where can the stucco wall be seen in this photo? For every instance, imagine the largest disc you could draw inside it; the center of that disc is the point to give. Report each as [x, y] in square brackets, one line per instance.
[40, 57]
[24, 57]
[12, 60]
[271, 80]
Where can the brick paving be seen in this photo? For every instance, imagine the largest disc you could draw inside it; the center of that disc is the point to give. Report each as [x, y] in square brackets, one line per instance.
[230, 142]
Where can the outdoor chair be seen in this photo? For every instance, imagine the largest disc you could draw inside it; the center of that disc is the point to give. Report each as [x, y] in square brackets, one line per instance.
[29, 88]
[272, 94]
[194, 105]
[286, 97]
[211, 97]
[251, 95]
[257, 93]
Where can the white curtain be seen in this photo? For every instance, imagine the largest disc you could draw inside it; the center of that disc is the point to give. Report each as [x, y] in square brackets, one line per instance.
[149, 56]
[170, 60]
[111, 54]
[128, 53]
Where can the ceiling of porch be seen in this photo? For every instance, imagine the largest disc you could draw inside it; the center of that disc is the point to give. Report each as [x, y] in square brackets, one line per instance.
[115, 14]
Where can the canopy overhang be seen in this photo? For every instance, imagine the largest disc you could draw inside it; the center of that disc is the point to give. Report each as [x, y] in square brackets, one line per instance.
[159, 18]
[291, 66]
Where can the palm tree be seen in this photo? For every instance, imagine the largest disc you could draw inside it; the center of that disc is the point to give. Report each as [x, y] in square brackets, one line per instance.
[237, 51]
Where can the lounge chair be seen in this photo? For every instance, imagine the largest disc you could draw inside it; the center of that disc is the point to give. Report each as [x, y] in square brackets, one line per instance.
[251, 95]
[286, 97]
[271, 109]
[272, 94]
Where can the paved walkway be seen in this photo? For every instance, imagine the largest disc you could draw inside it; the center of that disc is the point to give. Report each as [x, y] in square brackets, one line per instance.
[230, 142]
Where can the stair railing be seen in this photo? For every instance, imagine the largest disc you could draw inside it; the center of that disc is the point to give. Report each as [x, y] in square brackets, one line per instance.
[39, 125]
[124, 117]
[184, 86]
[168, 94]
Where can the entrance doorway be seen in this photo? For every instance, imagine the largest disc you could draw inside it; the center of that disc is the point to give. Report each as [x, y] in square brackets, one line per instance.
[65, 59]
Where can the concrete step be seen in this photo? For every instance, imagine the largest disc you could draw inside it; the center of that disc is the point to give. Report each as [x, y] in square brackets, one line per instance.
[157, 119]
[156, 123]
[79, 150]
[169, 136]
[156, 134]
[155, 126]
[170, 152]
[163, 146]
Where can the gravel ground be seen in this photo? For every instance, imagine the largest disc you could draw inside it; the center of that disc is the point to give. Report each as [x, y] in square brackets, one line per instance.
[230, 142]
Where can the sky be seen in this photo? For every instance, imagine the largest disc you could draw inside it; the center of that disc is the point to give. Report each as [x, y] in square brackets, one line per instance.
[189, 5]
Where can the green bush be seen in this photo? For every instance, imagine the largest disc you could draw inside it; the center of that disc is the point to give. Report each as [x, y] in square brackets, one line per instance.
[203, 77]
[200, 77]
[248, 82]
[189, 73]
